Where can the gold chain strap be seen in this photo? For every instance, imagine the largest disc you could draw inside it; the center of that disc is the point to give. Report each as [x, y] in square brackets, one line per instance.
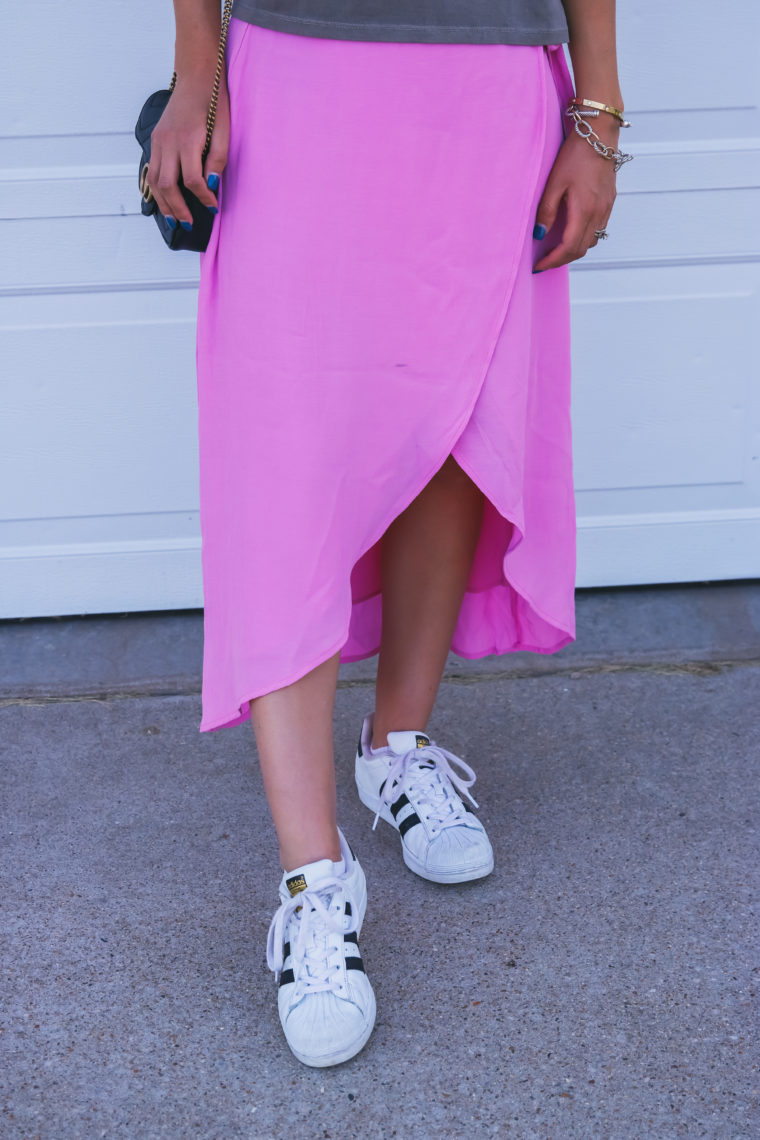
[211, 117]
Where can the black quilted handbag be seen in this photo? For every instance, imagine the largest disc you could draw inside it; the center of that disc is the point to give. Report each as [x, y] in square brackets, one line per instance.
[153, 108]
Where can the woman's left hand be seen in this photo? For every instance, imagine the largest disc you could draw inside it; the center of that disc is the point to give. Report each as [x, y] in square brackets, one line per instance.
[586, 182]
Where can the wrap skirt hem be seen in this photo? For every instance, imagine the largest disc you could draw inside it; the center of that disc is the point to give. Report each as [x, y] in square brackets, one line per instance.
[357, 619]
[340, 329]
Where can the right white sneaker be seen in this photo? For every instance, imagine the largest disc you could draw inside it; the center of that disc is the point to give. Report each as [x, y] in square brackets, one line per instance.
[414, 785]
[326, 1003]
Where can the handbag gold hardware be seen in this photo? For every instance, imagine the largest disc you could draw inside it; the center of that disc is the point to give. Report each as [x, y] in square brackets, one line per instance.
[145, 189]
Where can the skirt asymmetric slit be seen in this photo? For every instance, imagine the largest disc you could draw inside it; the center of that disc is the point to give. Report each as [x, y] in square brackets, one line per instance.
[367, 308]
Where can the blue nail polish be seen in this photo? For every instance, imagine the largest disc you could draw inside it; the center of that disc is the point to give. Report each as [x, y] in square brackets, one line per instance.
[171, 222]
[186, 225]
[213, 182]
[539, 231]
[538, 270]
[212, 209]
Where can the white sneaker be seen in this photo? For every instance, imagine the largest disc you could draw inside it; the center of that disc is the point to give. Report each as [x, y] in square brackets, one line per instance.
[327, 1007]
[413, 786]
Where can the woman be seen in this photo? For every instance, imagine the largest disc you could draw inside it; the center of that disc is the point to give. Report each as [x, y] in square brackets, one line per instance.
[383, 384]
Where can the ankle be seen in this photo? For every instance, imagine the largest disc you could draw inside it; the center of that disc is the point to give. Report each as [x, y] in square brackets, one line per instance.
[303, 853]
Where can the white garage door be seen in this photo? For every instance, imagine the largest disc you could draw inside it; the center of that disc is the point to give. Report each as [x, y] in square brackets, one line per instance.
[98, 507]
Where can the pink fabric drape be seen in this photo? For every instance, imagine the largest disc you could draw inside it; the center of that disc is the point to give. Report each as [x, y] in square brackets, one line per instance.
[366, 308]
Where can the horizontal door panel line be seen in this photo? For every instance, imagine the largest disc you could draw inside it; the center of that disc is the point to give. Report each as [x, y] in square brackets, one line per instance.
[131, 582]
[130, 546]
[659, 148]
[193, 543]
[670, 518]
[650, 553]
[169, 576]
[43, 200]
[115, 323]
[55, 289]
[696, 146]
[584, 265]
[185, 513]
[111, 190]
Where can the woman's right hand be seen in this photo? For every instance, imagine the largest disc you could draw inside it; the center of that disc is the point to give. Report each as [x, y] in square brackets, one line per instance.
[177, 144]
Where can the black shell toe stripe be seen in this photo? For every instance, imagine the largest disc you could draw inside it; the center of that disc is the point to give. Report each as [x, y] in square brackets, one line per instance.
[286, 977]
[399, 804]
[410, 821]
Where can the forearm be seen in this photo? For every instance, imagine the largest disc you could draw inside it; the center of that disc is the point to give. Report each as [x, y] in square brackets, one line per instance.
[593, 50]
[196, 45]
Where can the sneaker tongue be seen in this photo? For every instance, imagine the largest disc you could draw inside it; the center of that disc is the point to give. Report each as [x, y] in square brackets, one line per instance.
[303, 877]
[401, 742]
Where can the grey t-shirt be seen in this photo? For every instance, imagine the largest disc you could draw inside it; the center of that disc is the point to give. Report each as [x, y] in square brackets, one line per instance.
[413, 21]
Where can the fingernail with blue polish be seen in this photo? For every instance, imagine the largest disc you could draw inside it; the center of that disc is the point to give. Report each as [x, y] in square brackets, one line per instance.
[186, 225]
[539, 231]
[538, 270]
[171, 222]
[212, 209]
[213, 182]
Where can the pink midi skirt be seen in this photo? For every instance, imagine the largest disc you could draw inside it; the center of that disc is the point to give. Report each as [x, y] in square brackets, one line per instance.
[367, 308]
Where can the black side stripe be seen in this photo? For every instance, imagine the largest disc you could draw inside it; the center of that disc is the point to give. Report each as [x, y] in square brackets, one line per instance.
[352, 963]
[285, 951]
[410, 821]
[400, 803]
[347, 909]
[359, 749]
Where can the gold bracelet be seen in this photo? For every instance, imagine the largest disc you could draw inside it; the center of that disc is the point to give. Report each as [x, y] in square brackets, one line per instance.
[601, 107]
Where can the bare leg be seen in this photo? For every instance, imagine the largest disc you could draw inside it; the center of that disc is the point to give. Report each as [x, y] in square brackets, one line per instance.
[294, 738]
[426, 556]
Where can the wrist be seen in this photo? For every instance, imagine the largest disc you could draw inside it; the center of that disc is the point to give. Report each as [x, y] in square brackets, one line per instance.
[196, 69]
[599, 89]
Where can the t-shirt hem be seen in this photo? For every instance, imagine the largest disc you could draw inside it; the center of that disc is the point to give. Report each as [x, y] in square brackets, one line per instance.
[400, 33]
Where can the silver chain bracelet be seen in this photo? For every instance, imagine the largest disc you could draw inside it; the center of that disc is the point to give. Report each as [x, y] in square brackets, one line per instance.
[586, 131]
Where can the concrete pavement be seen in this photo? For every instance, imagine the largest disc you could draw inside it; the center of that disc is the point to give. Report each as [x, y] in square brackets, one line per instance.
[600, 984]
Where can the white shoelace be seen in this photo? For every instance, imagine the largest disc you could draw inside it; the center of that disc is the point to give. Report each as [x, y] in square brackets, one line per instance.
[431, 786]
[316, 945]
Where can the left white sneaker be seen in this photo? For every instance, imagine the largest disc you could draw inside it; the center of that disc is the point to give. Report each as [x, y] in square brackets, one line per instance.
[326, 1003]
[412, 785]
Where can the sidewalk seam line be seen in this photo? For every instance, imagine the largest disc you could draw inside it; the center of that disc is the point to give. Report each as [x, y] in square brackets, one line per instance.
[697, 667]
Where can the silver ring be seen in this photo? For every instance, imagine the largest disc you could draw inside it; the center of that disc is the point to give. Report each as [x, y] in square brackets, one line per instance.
[601, 234]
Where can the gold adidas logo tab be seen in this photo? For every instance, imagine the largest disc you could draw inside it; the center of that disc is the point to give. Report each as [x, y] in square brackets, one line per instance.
[295, 885]
[422, 741]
